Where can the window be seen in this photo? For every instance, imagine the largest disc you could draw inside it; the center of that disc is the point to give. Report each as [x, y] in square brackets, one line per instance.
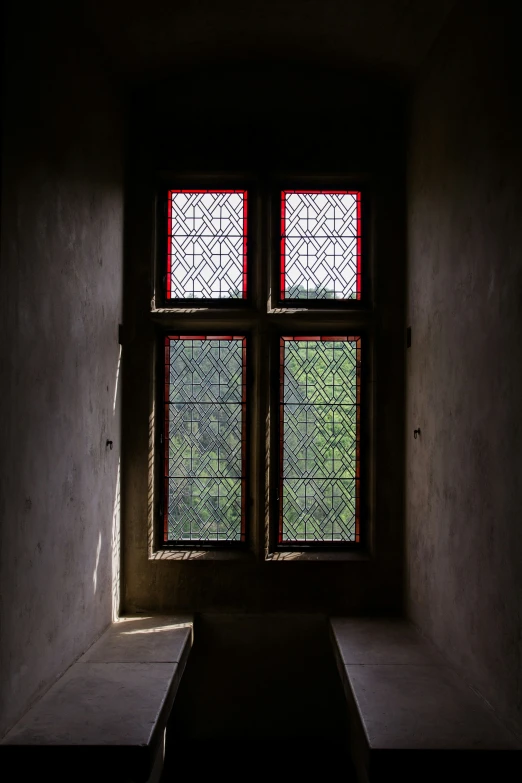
[207, 245]
[320, 245]
[319, 439]
[262, 358]
[205, 455]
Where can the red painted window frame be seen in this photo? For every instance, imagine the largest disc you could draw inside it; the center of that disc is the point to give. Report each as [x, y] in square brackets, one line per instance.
[168, 279]
[282, 253]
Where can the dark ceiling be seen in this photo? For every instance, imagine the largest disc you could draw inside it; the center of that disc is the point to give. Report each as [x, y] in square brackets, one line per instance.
[147, 39]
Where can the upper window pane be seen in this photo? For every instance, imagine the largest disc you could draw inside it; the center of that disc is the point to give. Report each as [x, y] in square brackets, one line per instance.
[207, 244]
[320, 244]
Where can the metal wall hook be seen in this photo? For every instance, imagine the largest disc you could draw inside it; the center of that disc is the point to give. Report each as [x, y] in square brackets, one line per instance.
[109, 444]
[416, 432]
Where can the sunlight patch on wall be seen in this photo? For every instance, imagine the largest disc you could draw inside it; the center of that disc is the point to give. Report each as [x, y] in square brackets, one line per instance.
[116, 549]
[95, 572]
[116, 383]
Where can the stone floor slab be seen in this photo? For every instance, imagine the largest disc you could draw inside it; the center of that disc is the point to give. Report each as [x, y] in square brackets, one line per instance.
[422, 707]
[105, 718]
[98, 704]
[372, 640]
[142, 640]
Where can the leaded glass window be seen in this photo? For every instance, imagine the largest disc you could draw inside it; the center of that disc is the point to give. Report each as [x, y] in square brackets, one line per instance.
[206, 244]
[320, 245]
[319, 433]
[295, 482]
[205, 444]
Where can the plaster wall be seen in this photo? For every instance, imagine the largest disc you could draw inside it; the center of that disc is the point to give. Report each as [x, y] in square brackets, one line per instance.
[464, 374]
[60, 305]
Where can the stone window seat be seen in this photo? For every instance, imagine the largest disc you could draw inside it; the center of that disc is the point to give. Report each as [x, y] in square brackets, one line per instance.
[105, 718]
[412, 718]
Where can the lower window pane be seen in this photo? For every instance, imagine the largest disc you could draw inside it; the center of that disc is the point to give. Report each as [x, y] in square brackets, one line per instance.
[319, 440]
[205, 408]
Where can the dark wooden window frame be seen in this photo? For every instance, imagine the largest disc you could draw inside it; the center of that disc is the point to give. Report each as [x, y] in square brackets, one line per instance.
[263, 319]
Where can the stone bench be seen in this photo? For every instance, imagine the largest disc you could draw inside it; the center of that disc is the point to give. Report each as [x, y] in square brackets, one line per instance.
[105, 718]
[412, 718]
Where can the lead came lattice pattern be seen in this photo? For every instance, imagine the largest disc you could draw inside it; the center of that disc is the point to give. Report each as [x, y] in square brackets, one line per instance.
[320, 245]
[205, 388]
[319, 436]
[207, 244]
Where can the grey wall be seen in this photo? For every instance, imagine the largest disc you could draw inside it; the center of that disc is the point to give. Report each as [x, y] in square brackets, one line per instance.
[464, 369]
[60, 289]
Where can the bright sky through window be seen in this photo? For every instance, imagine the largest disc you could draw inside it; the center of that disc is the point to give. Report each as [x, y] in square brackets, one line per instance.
[320, 245]
[206, 244]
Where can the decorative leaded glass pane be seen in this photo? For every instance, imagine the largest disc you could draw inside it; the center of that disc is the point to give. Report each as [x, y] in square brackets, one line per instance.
[205, 390]
[320, 245]
[319, 432]
[207, 244]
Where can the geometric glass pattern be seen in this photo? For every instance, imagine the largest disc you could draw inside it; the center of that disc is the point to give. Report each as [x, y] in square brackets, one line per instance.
[319, 432]
[206, 244]
[205, 432]
[320, 244]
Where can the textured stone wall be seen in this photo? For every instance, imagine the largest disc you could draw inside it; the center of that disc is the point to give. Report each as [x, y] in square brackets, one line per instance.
[60, 305]
[464, 373]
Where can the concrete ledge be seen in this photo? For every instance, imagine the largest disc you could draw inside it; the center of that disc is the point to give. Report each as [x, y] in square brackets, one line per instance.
[105, 718]
[410, 713]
